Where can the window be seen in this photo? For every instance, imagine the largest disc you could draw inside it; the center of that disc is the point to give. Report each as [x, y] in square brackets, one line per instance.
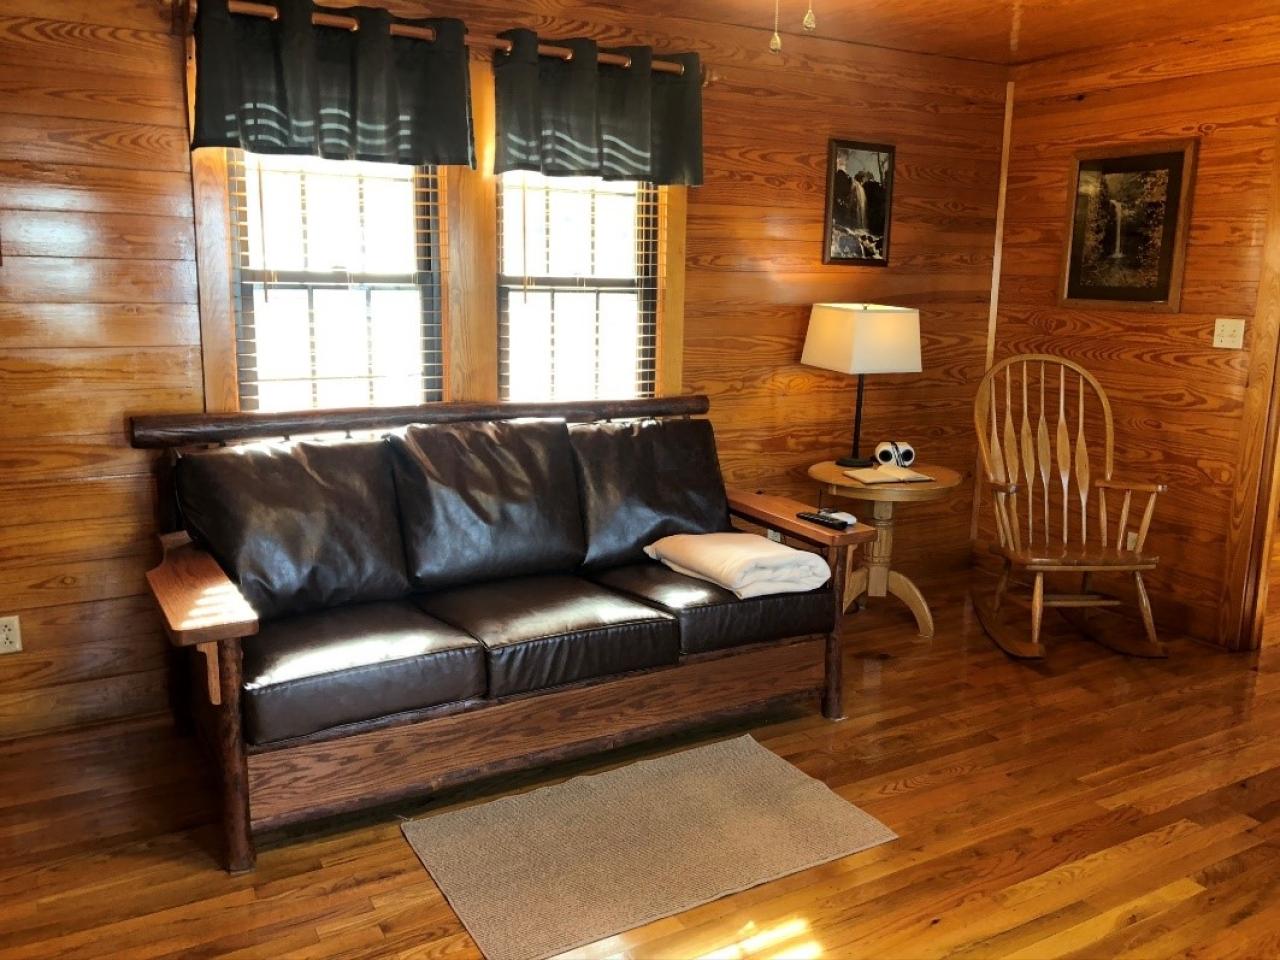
[577, 288]
[337, 282]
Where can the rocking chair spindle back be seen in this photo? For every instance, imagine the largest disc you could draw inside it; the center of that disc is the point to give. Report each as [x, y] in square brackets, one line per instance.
[1043, 422]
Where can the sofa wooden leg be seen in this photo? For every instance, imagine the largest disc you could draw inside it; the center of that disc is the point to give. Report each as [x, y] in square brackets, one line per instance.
[833, 690]
[178, 682]
[833, 687]
[233, 767]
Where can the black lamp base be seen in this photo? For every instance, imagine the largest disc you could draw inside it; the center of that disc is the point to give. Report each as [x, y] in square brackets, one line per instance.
[855, 458]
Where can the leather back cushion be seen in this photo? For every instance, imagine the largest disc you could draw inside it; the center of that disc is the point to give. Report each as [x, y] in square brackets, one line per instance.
[646, 480]
[486, 501]
[300, 526]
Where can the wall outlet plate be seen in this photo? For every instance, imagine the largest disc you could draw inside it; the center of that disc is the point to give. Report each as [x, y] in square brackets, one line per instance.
[1228, 334]
[774, 535]
[10, 635]
[1131, 540]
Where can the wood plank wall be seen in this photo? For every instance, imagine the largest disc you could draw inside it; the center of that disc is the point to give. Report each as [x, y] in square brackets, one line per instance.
[98, 304]
[1186, 413]
[1271, 618]
[755, 237]
[97, 320]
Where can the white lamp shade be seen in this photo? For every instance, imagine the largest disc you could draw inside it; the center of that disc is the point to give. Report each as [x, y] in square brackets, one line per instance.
[863, 338]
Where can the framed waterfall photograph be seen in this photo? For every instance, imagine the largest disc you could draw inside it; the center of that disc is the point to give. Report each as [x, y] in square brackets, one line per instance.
[859, 203]
[1127, 229]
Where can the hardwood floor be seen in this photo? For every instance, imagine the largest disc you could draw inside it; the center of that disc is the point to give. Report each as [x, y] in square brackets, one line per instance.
[1087, 806]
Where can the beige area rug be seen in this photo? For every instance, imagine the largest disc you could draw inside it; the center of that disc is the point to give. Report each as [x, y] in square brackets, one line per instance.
[537, 874]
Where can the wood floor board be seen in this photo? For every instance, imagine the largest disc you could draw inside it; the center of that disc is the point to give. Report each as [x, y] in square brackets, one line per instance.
[1085, 806]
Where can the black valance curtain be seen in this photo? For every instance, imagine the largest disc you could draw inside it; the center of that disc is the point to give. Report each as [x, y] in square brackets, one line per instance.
[286, 86]
[582, 118]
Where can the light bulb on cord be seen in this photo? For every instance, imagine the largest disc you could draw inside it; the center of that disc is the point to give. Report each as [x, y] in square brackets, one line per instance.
[810, 21]
[775, 42]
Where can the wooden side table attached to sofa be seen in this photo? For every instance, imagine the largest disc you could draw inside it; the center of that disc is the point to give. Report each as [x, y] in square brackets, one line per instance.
[875, 578]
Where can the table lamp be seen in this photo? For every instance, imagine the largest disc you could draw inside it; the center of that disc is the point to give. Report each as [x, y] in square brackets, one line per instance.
[862, 338]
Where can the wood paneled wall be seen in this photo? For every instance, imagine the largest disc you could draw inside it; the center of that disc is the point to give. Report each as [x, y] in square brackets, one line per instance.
[99, 318]
[755, 267]
[1270, 635]
[1186, 412]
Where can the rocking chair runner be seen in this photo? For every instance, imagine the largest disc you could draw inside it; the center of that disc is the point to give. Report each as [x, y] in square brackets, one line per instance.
[1034, 414]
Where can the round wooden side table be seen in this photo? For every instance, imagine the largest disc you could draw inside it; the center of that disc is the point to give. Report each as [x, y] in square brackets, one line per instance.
[875, 577]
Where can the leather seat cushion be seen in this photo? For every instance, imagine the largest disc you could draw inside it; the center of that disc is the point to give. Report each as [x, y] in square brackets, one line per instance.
[712, 618]
[645, 480]
[485, 501]
[546, 631]
[362, 662]
[299, 526]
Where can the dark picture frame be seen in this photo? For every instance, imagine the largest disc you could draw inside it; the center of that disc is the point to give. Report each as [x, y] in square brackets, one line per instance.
[1128, 218]
[859, 204]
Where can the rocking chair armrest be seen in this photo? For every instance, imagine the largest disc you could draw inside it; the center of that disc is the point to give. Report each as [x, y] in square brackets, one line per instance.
[1000, 486]
[197, 600]
[1131, 487]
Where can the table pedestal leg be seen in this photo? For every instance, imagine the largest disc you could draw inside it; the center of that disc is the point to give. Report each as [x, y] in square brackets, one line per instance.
[874, 578]
[909, 593]
[855, 585]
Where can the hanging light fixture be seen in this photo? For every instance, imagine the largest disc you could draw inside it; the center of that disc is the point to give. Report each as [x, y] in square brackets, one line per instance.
[810, 21]
[810, 24]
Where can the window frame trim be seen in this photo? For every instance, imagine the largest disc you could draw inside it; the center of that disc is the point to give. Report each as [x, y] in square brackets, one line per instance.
[211, 200]
[673, 206]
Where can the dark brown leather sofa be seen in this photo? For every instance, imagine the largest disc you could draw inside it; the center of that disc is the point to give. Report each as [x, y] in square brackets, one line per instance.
[369, 619]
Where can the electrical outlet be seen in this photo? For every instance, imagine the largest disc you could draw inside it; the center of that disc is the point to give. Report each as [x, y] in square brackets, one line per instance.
[774, 535]
[1228, 334]
[1131, 541]
[10, 635]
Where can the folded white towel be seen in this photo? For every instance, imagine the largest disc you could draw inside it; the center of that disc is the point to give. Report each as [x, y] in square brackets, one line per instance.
[747, 564]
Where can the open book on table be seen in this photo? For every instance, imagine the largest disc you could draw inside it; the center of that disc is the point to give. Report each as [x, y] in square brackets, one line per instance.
[887, 473]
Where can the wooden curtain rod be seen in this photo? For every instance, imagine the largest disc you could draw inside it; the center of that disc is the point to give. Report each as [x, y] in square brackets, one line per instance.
[341, 22]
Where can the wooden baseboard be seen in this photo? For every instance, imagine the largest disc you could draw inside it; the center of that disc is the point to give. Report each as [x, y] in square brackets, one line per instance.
[315, 780]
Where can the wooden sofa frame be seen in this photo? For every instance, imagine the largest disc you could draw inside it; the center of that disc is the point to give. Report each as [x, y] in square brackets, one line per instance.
[265, 787]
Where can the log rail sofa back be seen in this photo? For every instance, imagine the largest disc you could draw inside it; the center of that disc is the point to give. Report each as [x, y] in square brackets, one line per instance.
[356, 621]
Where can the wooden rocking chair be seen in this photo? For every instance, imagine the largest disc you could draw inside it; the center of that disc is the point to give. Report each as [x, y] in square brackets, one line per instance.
[1045, 530]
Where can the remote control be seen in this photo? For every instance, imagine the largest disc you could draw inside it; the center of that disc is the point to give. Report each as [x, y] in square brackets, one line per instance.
[823, 520]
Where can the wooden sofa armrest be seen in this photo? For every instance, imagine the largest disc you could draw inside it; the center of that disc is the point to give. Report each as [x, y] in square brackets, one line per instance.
[779, 513]
[198, 602]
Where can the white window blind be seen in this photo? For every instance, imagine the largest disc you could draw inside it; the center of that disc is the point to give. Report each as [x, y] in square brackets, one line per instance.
[337, 279]
[577, 288]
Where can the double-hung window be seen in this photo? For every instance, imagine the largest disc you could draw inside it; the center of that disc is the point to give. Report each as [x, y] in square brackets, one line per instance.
[337, 286]
[577, 288]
